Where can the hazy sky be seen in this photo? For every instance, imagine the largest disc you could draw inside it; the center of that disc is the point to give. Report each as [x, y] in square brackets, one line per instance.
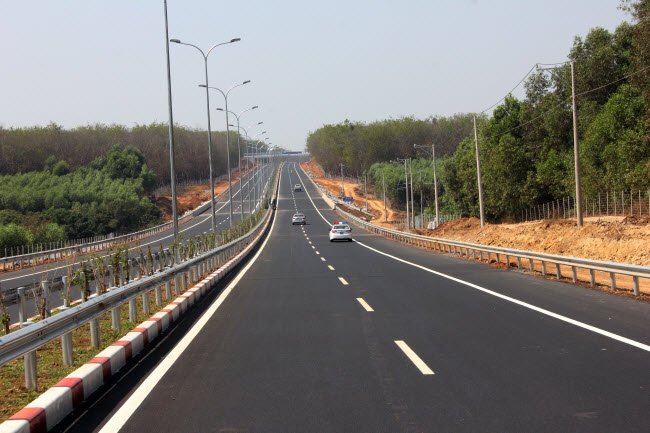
[76, 62]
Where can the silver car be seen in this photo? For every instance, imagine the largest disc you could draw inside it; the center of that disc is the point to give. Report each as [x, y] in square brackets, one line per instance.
[298, 218]
[341, 232]
[297, 187]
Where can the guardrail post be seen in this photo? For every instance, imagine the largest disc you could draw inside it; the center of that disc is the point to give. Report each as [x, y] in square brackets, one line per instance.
[115, 319]
[66, 348]
[94, 334]
[158, 293]
[612, 280]
[168, 289]
[178, 285]
[530, 264]
[498, 258]
[45, 287]
[133, 312]
[145, 303]
[543, 268]
[574, 274]
[518, 264]
[507, 261]
[22, 308]
[592, 278]
[635, 282]
[29, 363]
[558, 272]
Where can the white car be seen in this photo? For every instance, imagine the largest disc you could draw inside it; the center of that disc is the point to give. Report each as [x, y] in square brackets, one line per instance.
[341, 231]
[297, 187]
[298, 218]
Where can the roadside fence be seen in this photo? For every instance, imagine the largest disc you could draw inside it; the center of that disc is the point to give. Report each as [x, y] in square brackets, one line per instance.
[610, 203]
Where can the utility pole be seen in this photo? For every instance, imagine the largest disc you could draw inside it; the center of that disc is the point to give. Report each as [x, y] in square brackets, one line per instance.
[435, 181]
[342, 186]
[421, 201]
[406, 191]
[383, 182]
[365, 189]
[576, 146]
[172, 175]
[412, 201]
[478, 175]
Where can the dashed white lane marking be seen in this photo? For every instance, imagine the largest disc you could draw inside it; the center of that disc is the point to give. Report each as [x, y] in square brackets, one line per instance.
[415, 359]
[342, 280]
[331, 268]
[313, 247]
[365, 305]
[317, 252]
[309, 242]
[322, 258]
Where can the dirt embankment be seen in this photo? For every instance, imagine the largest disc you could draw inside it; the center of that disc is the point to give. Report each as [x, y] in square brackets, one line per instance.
[354, 190]
[190, 197]
[616, 239]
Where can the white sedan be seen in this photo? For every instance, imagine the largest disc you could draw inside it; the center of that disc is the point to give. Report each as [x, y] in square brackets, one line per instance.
[341, 232]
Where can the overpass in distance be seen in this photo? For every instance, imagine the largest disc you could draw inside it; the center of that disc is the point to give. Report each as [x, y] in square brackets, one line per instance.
[377, 336]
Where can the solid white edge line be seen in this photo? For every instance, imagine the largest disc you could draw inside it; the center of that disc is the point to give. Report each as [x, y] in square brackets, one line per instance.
[574, 322]
[365, 305]
[415, 359]
[124, 413]
[342, 280]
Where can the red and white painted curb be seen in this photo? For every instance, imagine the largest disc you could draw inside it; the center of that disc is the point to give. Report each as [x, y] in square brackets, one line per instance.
[46, 411]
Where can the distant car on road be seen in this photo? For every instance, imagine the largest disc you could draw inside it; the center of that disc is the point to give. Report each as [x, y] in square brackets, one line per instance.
[341, 231]
[298, 218]
[297, 187]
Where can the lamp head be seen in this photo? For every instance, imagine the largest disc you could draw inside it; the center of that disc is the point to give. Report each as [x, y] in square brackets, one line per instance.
[176, 41]
[235, 40]
[246, 82]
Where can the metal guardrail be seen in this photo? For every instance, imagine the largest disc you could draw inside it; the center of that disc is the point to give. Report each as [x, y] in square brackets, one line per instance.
[33, 259]
[477, 251]
[26, 340]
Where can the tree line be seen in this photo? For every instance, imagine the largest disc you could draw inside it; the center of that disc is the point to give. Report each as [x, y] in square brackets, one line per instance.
[26, 149]
[109, 195]
[526, 144]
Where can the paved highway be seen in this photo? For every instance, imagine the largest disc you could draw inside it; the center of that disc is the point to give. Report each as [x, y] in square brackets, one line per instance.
[376, 336]
[194, 226]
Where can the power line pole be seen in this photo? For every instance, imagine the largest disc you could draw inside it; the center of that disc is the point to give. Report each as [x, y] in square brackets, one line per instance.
[478, 175]
[435, 181]
[172, 175]
[365, 189]
[383, 182]
[342, 186]
[412, 201]
[576, 146]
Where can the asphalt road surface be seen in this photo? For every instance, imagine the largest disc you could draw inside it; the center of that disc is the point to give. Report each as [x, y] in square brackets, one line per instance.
[195, 226]
[376, 336]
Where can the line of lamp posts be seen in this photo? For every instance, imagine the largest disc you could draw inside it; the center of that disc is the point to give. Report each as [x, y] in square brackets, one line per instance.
[253, 195]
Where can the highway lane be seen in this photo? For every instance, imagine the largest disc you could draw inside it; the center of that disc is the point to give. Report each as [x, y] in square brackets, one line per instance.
[195, 226]
[295, 347]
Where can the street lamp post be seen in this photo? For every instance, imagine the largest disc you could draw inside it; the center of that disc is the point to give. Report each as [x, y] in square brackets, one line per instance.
[207, 101]
[237, 116]
[172, 174]
[225, 97]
